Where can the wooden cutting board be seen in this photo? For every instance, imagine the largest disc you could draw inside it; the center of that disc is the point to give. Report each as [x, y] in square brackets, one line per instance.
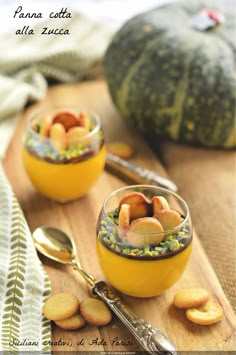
[78, 219]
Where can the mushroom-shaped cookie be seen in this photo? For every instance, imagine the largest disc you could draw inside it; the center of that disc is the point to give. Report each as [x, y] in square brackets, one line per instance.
[139, 204]
[159, 203]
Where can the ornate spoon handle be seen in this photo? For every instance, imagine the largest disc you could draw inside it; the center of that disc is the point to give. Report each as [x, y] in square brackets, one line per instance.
[137, 173]
[151, 339]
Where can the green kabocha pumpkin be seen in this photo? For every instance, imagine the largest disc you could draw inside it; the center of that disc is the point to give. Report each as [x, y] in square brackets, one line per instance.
[173, 80]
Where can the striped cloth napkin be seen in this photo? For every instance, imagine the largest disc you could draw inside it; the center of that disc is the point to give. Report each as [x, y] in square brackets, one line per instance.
[28, 61]
[24, 285]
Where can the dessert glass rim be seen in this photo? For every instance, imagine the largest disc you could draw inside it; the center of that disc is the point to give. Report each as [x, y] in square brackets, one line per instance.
[169, 231]
[35, 113]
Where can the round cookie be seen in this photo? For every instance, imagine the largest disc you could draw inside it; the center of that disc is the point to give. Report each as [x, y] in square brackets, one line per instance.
[121, 149]
[207, 314]
[144, 231]
[95, 312]
[190, 298]
[168, 218]
[60, 306]
[74, 322]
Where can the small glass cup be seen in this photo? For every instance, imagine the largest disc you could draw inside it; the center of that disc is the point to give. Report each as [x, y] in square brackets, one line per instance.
[62, 165]
[147, 271]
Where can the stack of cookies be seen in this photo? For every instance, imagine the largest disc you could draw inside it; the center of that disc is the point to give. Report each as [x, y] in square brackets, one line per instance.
[69, 313]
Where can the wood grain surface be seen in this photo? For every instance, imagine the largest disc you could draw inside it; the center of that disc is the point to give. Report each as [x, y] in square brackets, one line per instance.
[78, 219]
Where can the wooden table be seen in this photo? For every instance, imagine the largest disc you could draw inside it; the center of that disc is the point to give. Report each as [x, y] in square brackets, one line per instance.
[78, 219]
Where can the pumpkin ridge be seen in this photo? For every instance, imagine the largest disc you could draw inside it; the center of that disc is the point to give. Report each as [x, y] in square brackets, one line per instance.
[123, 92]
[180, 97]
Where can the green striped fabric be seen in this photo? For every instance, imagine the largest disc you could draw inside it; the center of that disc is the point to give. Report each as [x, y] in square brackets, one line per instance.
[24, 285]
[28, 61]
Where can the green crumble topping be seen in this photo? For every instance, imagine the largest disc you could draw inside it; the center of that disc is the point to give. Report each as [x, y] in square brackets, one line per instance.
[108, 234]
[43, 149]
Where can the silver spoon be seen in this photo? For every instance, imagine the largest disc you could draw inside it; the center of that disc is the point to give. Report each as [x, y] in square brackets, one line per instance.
[56, 245]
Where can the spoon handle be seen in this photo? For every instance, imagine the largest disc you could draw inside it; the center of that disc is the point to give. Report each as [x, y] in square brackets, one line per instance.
[150, 338]
[137, 173]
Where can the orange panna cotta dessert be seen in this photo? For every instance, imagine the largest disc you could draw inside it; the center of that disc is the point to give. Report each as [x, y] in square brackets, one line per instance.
[63, 152]
[143, 244]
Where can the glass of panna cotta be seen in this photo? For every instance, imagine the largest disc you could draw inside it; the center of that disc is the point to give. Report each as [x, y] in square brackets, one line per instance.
[63, 152]
[144, 239]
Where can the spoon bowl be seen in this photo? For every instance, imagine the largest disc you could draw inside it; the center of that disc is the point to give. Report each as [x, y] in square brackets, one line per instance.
[54, 244]
[58, 246]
